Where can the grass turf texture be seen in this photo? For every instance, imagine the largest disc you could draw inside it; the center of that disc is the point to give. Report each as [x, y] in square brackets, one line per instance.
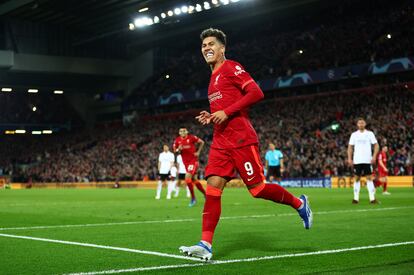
[337, 224]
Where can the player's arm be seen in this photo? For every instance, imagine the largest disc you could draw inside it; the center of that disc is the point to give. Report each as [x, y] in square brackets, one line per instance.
[200, 143]
[252, 94]
[350, 152]
[376, 150]
[282, 165]
[177, 148]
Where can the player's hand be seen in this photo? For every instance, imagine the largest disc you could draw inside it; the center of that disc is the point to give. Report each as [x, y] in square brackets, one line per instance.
[282, 169]
[350, 162]
[204, 117]
[386, 170]
[219, 117]
[179, 148]
[373, 161]
[196, 154]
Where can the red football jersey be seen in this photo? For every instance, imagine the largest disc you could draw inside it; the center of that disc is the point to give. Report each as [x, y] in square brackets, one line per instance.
[188, 147]
[383, 157]
[226, 87]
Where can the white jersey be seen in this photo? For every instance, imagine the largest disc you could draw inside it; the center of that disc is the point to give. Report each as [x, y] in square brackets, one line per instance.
[166, 159]
[362, 142]
[181, 166]
[173, 172]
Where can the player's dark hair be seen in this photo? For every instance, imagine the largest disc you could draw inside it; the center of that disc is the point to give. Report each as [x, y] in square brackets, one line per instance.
[361, 118]
[218, 34]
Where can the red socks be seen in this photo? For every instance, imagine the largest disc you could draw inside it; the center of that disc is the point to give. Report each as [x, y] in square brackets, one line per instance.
[189, 183]
[276, 193]
[211, 213]
[199, 187]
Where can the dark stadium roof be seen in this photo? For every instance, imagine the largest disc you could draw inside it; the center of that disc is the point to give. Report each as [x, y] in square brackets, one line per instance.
[106, 18]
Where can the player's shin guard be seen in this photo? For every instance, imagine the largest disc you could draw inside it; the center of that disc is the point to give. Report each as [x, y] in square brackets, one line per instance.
[190, 186]
[357, 188]
[276, 193]
[211, 213]
[199, 187]
[371, 190]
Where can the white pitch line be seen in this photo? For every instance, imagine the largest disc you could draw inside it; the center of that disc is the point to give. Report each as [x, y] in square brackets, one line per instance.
[321, 252]
[198, 219]
[160, 254]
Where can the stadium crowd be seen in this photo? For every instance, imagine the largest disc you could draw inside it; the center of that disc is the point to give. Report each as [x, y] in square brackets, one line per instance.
[301, 126]
[342, 37]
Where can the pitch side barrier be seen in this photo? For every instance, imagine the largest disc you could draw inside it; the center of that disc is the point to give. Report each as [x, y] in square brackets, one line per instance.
[328, 182]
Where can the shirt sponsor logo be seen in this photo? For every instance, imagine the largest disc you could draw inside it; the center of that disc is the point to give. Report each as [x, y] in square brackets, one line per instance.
[239, 70]
[214, 96]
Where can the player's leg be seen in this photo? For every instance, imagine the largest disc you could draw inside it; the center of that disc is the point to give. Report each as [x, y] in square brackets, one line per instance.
[278, 174]
[218, 171]
[177, 187]
[197, 183]
[189, 183]
[170, 187]
[159, 187]
[250, 168]
[357, 183]
[370, 184]
[384, 182]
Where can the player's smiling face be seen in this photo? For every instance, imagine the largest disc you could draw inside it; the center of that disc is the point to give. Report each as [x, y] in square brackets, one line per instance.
[183, 132]
[212, 50]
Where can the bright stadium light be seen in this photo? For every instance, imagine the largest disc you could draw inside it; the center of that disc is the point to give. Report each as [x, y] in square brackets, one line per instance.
[148, 21]
[235, 1]
[207, 5]
[156, 19]
[33, 91]
[300, 51]
[9, 132]
[47, 132]
[6, 89]
[184, 9]
[198, 8]
[20, 131]
[170, 13]
[143, 9]
[225, 2]
[36, 132]
[58, 92]
[191, 9]
[34, 109]
[163, 15]
[177, 11]
[214, 2]
[389, 36]
[131, 26]
[138, 23]
[167, 76]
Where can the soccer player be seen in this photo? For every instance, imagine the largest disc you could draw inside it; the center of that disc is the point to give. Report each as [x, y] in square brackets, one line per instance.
[274, 163]
[360, 157]
[165, 162]
[235, 144]
[382, 169]
[186, 145]
[181, 177]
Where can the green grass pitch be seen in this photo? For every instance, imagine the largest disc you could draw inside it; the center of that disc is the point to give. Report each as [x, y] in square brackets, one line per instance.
[250, 228]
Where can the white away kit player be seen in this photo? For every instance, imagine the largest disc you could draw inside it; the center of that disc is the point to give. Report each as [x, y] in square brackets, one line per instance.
[165, 162]
[360, 157]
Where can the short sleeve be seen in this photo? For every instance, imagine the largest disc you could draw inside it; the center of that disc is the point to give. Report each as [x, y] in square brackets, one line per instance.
[267, 155]
[373, 139]
[280, 154]
[352, 140]
[159, 157]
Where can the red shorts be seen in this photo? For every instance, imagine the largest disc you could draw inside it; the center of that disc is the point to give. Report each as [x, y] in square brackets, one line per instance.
[382, 173]
[191, 167]
[245, 160]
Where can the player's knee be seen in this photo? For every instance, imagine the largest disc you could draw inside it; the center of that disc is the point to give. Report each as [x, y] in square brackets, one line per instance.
[188, 180]
[256, 190]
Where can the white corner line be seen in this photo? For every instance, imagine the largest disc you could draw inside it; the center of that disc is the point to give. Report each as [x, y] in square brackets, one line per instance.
[197, 219]
[154, 253]
[219, 262]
